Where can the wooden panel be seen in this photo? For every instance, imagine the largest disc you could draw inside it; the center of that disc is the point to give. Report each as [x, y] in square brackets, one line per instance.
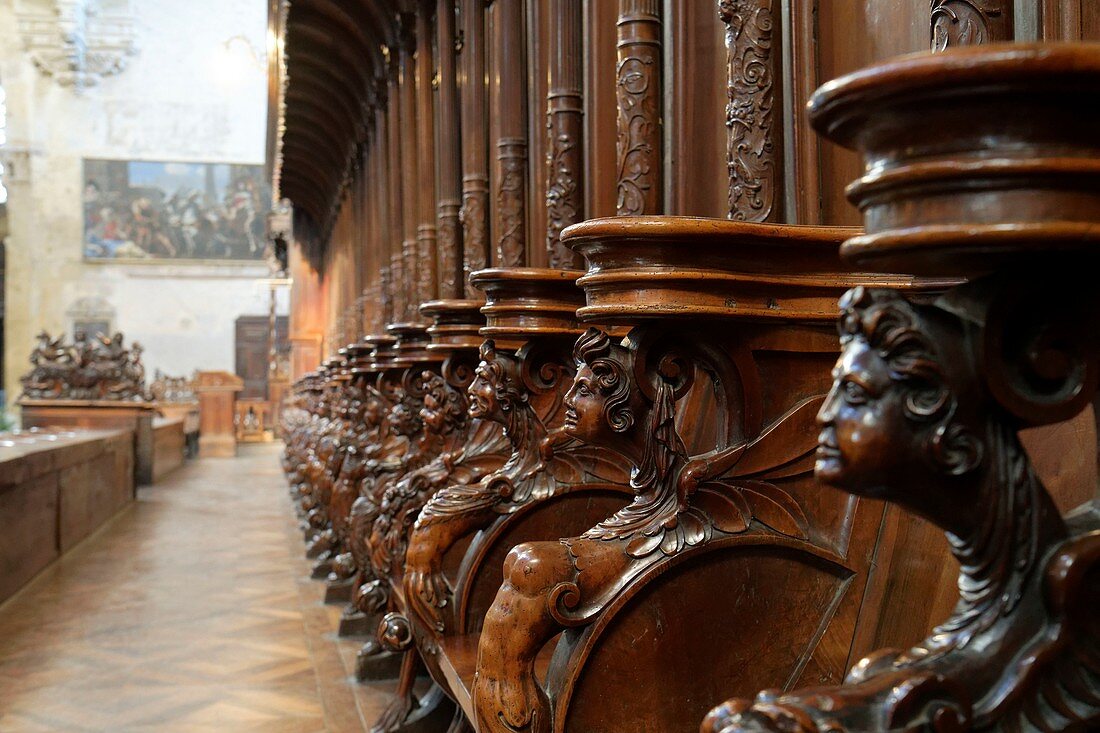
[852, 34]
[697, 182]
[252, 351]
[29, 540]
[600, 107]
[90, 494]
[168, 446]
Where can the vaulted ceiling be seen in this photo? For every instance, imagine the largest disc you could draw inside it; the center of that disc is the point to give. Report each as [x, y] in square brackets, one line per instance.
[327, 78]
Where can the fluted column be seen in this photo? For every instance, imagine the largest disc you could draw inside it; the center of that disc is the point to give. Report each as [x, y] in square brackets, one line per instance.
[428, 274]
[565, 127]
[449, 159]
[510, 76]
[638, 92]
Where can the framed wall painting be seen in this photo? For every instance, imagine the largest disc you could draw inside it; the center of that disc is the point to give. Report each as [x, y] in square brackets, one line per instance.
[149, 211]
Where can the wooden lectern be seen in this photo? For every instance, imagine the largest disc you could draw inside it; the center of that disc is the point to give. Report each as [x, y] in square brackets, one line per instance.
[217, 393]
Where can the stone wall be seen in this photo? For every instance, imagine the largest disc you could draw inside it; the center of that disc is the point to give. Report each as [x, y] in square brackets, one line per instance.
[194, 89]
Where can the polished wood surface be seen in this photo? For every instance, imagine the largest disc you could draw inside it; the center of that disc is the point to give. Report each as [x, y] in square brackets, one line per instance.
[929, 398]
[655, 531]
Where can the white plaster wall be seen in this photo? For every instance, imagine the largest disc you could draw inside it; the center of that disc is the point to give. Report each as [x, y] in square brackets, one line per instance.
[178, 99]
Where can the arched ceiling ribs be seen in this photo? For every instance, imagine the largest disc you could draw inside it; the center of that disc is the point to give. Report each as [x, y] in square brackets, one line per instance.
[306, 158]
[337, 72]
[335, 126]
[314, 77]
[333, 42]
[326, 156]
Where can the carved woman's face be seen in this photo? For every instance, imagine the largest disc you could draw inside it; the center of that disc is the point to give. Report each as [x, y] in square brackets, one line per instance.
[483, 395]
[584, 408]
[866, 442]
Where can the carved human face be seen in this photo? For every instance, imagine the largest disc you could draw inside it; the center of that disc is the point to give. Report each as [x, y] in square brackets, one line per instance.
[584, 408]
[432, 414]
[483, 395]
[866, 442]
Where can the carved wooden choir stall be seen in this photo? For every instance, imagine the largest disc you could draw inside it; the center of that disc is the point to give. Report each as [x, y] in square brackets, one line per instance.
[624, 418]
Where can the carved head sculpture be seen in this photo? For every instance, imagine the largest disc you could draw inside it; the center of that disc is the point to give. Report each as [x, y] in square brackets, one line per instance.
[497, 388]
[602, 405]
[443, 411]
[404, 418]
[892, 426]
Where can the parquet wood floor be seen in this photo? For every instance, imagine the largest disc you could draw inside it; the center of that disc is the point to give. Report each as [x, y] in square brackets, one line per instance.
[190, 611]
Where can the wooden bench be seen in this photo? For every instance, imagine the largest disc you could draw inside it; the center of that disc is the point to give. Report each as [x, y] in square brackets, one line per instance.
[56, 488]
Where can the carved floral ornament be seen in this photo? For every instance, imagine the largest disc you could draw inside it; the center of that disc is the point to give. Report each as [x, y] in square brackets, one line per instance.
[77, 42]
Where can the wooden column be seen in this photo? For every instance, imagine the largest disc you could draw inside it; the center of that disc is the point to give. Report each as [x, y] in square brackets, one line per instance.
[970, 22]
[396, 233]
[475, 157]
[449, 156]
[754, 128]
[565, 128]
[374, 252]
[428, 274]
[380, 194]
[510, 76]
[638, 91]
[408, 169]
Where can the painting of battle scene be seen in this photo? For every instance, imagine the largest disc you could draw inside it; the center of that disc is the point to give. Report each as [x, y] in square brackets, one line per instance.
[141, 210]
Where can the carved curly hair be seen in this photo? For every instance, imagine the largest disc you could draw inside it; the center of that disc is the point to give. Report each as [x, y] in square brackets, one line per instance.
[594, 349]
[504, 375]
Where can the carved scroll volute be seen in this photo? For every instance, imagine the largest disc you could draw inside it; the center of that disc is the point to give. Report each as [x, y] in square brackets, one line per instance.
[565, 128]
[753, 144]
[638, 92]
[450, 179]
[970, 22]
[510, 214]
[475, 161]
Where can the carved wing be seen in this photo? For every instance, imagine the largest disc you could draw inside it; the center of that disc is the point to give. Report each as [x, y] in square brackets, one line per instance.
[456, 500]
